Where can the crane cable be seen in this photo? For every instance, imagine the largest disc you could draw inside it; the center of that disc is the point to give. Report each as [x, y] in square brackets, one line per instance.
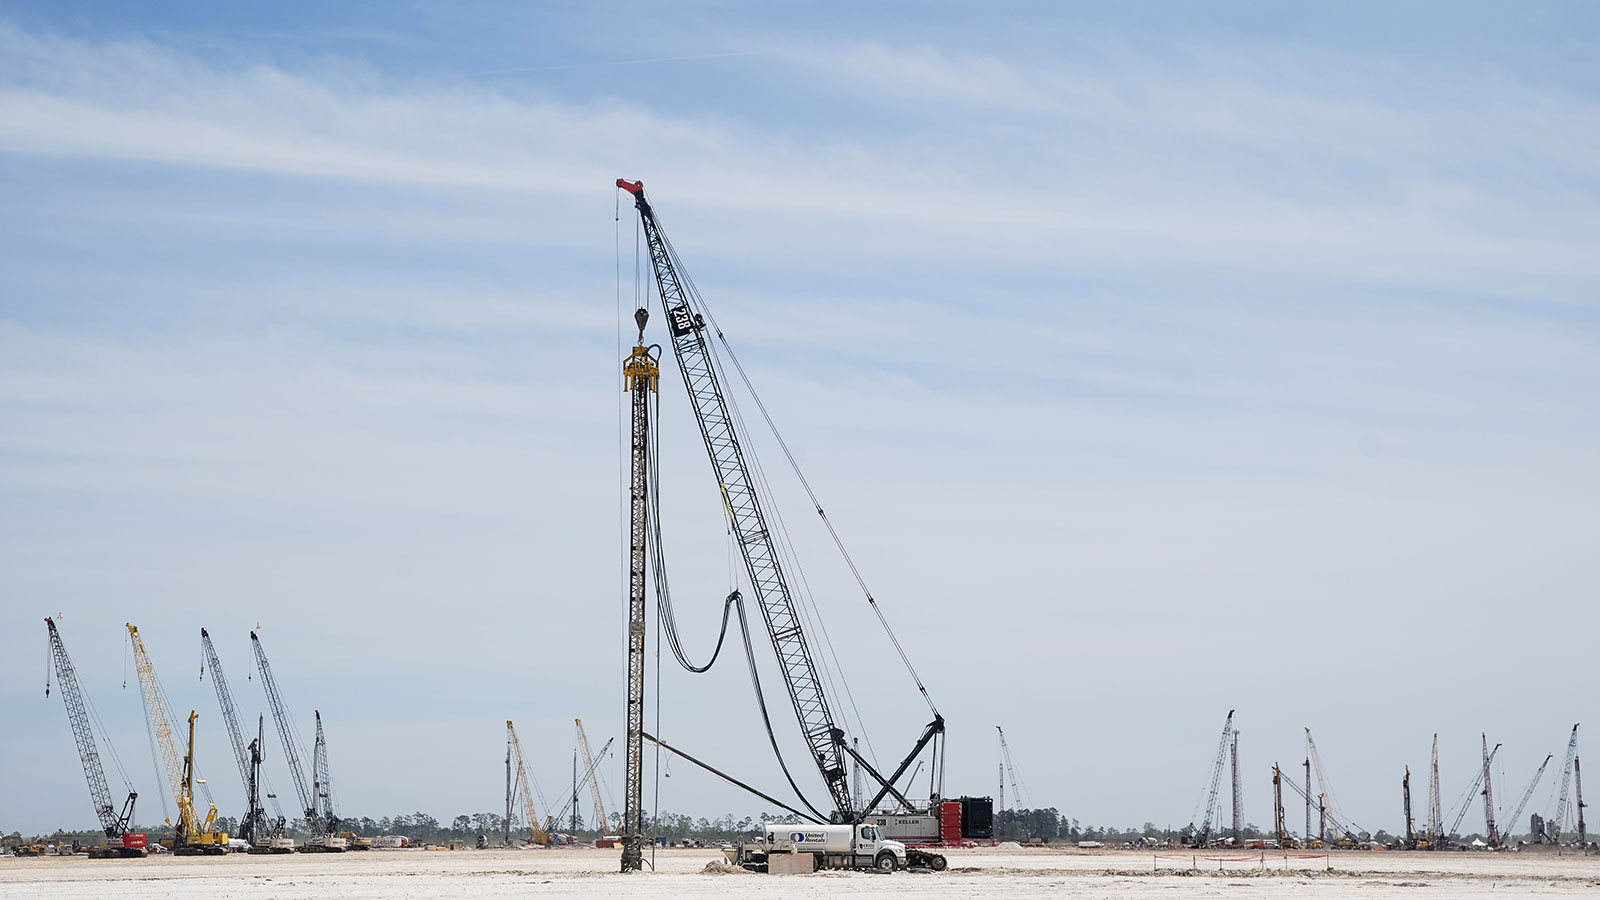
[667, 618]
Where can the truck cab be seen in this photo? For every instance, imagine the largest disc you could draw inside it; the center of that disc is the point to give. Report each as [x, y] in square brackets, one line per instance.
[861, 846]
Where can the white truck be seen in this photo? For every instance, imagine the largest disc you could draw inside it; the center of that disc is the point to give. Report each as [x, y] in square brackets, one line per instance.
[860, 846]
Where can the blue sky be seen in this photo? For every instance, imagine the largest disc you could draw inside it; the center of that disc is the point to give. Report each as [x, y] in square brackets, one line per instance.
[1152, 361]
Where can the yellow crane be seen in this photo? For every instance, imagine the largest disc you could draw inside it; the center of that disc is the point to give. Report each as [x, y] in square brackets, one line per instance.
[514, 755]
[601, 822]
[189, 836]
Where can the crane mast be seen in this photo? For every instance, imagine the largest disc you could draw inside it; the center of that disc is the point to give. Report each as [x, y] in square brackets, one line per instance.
[115, 825]
[1435, 812]
[640, 380]
[323, 782]
[1238, 794]
[1405, 793]
[1577, 778]
[1488, 797]
[291, 753]
[1277, 806]
[758, 547]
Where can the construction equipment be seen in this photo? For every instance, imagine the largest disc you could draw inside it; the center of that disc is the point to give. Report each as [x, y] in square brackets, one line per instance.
[1006, 768]
[1435, 813]
[1558, 823]
[321, 837]
[514, 761]
[758, 542]
[1516, 816]
[1350, 833]
[263, 833]
[602, 822]
[1464, 802]
[121, 843]
[1280, 832]
[1238, 794]
[795, 849]
[640, 376]
[191, 835]
[1577, 778]
[1405, 791]
[1488, 797]
[322, 787]
[1202, 837]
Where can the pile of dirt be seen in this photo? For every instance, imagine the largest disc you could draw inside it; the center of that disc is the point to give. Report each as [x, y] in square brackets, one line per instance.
[1008, 845]
[718, 867]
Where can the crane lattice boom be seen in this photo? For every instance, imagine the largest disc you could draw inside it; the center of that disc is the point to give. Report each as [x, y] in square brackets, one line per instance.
[113, 824]
[291, 752]
[536, 834]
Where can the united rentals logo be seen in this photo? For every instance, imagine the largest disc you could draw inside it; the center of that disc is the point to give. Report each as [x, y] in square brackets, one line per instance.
[801, 837]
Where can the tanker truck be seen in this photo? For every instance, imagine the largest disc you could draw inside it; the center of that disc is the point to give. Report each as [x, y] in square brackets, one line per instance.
[810, 848]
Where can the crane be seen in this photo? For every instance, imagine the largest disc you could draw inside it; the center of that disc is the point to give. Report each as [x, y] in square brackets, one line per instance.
[321, 831]
[1405, 793]
[640, 377]
[1238, 793]
[1007, 769]
[1577, 779]
[120, 841]
[254, 825]
[1528, 794]
[826, 740]
[1464, 802]
[1559, 822]
[322, 780]
[1435, 814]
[601, 822]
[1277, 807]
[1203, 836]
[190, 836]
[1488, 797]
[515, 762]
[1325, 795]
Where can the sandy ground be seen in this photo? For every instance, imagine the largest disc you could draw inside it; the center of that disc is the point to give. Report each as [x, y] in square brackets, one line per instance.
[591, 873]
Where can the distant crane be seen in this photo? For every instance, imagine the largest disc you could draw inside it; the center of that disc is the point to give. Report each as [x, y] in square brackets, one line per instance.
[1203, 837]
[120, 842]
[1007, 769]
[321, 832]
[1330, 810]
[191, 836]
[1435, 813]
[520, 787]
[1557, 824]
[1277, 806]
[1577, 778]
[1488, 797]
[1238, 798]
[1528, 794]
[254, 823]
[601, 822]
[1464, 802]
[322, 780]
[1405, 792]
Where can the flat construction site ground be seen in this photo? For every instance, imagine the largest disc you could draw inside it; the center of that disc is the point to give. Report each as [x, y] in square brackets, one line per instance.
[679, 874]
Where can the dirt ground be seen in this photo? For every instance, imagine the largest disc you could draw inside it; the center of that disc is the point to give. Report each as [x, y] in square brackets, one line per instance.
[585, 872]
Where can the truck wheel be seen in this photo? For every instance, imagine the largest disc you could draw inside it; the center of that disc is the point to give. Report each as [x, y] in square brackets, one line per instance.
[936, 862]
[887, 862]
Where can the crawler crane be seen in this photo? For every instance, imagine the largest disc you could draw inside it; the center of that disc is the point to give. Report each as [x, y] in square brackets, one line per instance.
[120, 841]
[755, 532]
[318, 824]
[191, 836]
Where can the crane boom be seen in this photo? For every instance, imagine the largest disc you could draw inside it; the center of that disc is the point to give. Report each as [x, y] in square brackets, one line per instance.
[291, 754]
[1466, 799]
[155, 710]
[758, 546]
[1560, 821]
[1435, 813]
[1488, 797]
[1216, 779]
[1528, 794]
[114, 825]
[323, 781]
[536, 834]
[192, 834]
[601, 822]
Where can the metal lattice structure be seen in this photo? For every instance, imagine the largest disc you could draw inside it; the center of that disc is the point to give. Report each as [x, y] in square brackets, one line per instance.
[758, 546]
[640, 376]
[1204, 834]
[113, 824]
[520, 787]
[291, 753]
[1563, 811]
[1488, 797]
[323, 781]
[1238, 792]
[1527, 795]
[255, 817]
[1435, 808]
